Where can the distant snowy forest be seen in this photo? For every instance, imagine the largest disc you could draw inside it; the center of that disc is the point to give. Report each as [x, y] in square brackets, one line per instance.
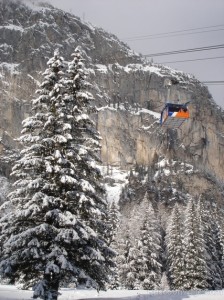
[187, 256]
[57, 229]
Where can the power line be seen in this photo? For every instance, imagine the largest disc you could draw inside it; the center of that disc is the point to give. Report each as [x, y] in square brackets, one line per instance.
[172, 32]
[215, 47]
[170, 35]
[213, 82]
[196, 59]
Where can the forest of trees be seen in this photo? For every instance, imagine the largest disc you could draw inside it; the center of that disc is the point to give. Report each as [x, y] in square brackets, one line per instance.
[190, 255]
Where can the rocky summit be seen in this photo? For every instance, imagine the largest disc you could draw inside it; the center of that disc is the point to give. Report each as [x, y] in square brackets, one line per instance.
[129, 92]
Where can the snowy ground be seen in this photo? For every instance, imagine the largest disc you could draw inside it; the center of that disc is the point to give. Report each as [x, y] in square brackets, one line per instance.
[119, 178]
[12, 293]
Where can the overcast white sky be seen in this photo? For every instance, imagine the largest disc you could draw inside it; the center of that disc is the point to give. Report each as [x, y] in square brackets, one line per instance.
[136, 19]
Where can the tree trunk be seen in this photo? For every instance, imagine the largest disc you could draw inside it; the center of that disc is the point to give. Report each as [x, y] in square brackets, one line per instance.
[51, 292]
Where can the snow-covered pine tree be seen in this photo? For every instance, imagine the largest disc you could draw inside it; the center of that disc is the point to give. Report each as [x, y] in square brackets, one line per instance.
[195, 276]
[123, 250]
[112, 222]
[54, 234]
[175, 250]
[149, 273]
[213, 245]
[219, 263]
[220, 219]
[110, 235]
[132, 268]
[164, 285]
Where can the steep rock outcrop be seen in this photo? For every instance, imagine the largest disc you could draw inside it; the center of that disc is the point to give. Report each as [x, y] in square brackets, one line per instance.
[199, 140]
[128, 90]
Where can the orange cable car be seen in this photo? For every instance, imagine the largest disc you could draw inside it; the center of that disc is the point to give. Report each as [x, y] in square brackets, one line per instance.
[174, 115]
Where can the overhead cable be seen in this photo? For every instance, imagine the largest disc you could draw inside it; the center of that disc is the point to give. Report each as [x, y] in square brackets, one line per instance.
[172, 32]
[214, 82]
[170, 35]
[214, 47]
[186, 60]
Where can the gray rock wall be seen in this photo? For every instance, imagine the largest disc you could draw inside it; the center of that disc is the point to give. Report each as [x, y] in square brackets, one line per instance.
[120, 79]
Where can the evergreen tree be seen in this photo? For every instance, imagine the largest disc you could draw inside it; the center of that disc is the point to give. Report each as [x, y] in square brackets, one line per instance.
[164, 285]
[220, 219]
[112, 222]
[122, 258]
[132, 268]
[218, 260]
[175, 250]
[110, 235]
[148, 254]
[213, 245]
[55, 233]
[139, 264]
[195, 276]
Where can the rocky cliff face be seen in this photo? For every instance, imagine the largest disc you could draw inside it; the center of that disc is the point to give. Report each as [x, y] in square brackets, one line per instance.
[137, 136]
[129, 92]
